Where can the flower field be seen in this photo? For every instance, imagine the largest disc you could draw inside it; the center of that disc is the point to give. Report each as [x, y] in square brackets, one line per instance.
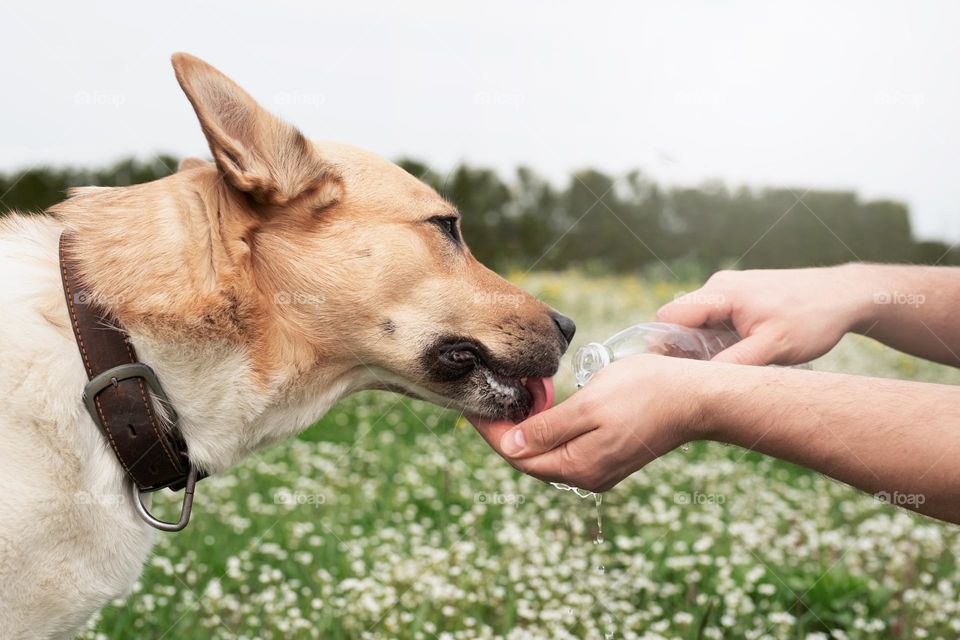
[392, 519]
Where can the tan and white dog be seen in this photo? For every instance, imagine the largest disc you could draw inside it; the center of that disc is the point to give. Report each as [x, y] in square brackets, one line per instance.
[261, 289]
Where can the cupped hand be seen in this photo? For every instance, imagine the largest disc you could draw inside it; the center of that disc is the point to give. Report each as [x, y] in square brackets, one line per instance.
[630, 413]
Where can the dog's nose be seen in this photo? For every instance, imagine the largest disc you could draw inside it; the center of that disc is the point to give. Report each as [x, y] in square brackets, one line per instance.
[567, 326]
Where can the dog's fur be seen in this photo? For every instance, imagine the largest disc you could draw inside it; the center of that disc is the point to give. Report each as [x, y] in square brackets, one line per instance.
[262, 288]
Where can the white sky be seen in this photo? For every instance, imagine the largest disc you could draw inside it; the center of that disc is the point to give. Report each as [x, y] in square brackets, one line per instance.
[826, 95]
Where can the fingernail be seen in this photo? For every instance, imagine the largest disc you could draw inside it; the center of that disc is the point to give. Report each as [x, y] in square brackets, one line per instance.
[513, 442]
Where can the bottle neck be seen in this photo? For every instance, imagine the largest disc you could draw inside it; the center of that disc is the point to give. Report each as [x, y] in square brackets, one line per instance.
[589, 359]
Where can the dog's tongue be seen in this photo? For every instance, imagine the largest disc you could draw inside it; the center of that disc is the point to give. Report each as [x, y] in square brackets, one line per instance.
[541, 389]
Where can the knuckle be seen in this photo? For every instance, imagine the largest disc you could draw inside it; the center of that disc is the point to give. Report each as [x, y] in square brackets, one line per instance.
[778, 338]
[721, 277]
[783, 347]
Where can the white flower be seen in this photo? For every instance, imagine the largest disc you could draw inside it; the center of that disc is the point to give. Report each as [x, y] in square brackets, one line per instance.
[781, 618]
[682, 617]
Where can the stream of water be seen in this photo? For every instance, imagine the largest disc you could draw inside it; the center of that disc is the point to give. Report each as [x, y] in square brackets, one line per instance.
[583, 493]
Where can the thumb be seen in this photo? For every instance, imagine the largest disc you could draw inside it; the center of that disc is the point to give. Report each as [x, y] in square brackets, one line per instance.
[547, 430]
[694, 309]
[755, 349]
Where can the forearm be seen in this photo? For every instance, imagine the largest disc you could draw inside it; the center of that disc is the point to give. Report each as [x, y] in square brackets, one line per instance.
[882, 436]
[910, 308]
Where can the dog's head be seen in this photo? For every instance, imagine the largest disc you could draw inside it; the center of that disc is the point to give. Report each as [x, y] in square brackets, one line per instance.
[363, 267]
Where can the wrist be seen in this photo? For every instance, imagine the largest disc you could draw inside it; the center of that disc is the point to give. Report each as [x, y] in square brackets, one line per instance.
[725, 396]
[704, 389]
[862, 287]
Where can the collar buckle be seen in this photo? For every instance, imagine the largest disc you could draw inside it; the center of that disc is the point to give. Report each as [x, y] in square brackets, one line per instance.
[111, 378]
[185, 508]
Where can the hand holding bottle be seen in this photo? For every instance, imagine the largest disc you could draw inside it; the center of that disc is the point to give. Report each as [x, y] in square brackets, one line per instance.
[785, 316]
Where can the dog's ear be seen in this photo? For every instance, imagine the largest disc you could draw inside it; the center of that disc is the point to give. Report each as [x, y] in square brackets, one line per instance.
[258, 153]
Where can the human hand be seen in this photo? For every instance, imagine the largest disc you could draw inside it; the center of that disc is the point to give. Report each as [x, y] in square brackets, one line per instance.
[785, 316]
[631, 412]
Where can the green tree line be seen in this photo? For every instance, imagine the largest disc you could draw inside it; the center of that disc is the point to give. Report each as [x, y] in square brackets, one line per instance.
[604, 223]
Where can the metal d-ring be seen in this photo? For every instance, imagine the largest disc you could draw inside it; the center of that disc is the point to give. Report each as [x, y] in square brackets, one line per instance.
[162, 525]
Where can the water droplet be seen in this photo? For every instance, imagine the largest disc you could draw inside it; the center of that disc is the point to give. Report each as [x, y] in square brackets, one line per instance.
[602, 569]
[685, 448]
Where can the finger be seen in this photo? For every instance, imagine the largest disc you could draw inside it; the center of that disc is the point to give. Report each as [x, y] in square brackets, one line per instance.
[695, 309]
[547, 430]
[555, 465]
[756, 350]
[491, 430]
[592, 461]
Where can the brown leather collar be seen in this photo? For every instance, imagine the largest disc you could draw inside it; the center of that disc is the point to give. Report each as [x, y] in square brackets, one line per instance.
[118, 397]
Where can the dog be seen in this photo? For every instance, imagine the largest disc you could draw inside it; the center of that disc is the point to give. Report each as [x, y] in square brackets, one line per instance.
[261, 288]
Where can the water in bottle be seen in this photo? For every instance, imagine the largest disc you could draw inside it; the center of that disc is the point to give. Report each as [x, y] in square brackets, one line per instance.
[651, 337]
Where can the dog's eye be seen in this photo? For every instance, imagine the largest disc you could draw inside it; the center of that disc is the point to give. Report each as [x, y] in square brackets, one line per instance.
[448, 224]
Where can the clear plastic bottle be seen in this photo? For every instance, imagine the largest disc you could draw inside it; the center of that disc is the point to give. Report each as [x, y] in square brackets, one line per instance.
[651, 337]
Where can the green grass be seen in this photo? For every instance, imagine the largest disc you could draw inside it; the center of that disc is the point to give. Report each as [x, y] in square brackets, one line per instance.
[391, 518]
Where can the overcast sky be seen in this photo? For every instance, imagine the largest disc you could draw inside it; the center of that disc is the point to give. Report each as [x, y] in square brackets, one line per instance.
[826, 95]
